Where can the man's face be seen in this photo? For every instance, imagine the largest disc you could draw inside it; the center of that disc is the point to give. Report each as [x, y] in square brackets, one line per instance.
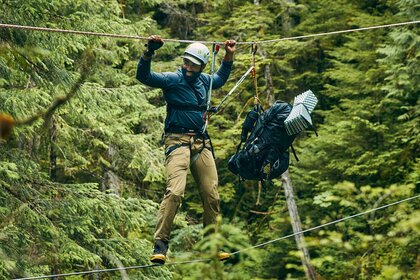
[191, 67]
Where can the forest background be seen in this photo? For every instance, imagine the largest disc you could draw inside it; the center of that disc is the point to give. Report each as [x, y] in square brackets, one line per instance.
[80, 186]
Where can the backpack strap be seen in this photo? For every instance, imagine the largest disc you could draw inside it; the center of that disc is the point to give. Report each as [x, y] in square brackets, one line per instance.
[316, 133]
[294, 152]
[248, 124]
[238, 147]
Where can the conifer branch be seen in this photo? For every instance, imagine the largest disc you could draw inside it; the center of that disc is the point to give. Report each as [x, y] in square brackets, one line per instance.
[61, 100]
[7, 123]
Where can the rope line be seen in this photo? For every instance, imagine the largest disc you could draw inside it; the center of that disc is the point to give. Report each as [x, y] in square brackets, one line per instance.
[89, 33]
[233, 253]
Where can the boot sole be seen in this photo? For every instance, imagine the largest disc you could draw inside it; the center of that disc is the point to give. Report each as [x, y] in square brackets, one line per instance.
[158, 258]
[223, 256]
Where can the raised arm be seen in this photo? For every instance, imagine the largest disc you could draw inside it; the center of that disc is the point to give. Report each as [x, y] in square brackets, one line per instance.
[223, 73]
[144, 73]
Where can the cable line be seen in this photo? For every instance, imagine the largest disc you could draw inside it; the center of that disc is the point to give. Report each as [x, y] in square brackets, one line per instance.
[89, 33]
[340, 32]
[109, 270]
[88, 272]
[233, 253]
[327, 224]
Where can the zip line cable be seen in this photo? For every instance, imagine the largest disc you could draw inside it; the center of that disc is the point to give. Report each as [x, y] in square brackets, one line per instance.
[233, 253]
[88, 272]
[327, 224]
[89, 33]
[109, 270]
[339, 32]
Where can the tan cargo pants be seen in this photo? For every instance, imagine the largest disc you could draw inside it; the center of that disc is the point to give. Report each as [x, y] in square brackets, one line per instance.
[203, 169]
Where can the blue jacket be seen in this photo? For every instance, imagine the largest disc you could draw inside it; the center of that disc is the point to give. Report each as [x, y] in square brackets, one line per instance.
[178, 93]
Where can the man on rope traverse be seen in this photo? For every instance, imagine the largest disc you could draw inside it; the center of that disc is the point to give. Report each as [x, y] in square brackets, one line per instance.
[186, 144]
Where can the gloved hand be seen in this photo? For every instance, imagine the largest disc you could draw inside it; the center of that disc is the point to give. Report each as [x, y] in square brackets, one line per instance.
[154, 43]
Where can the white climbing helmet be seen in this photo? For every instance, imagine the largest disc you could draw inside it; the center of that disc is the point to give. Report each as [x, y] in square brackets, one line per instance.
[197, 53]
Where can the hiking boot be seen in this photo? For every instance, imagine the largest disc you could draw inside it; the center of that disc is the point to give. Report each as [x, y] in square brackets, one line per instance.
[159, 252]
[222, 256]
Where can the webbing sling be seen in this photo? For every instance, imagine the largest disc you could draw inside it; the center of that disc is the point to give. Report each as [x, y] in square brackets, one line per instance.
[234, 87]
[216, 48]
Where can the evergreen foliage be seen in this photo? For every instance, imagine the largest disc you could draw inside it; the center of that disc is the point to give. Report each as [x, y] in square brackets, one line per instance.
[79, 188]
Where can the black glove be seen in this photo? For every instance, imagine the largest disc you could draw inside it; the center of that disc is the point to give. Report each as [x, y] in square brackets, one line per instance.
[152, 45]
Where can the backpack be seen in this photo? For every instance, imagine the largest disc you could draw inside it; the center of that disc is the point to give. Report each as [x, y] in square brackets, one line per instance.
[265, 155]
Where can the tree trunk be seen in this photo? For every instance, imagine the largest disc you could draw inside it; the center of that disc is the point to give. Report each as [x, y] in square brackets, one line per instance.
[53, 155]
[269, 89]
[54, 271]
[286, 20]
[297, 226]
[96, 276]
[110, 180]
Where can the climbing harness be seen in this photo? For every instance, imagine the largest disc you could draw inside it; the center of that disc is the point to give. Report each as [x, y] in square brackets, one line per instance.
[203, 133]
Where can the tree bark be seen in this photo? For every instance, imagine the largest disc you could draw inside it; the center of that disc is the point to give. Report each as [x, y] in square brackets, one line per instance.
[110, 180]
[53, 155]
[269, 89]
[297, 226]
